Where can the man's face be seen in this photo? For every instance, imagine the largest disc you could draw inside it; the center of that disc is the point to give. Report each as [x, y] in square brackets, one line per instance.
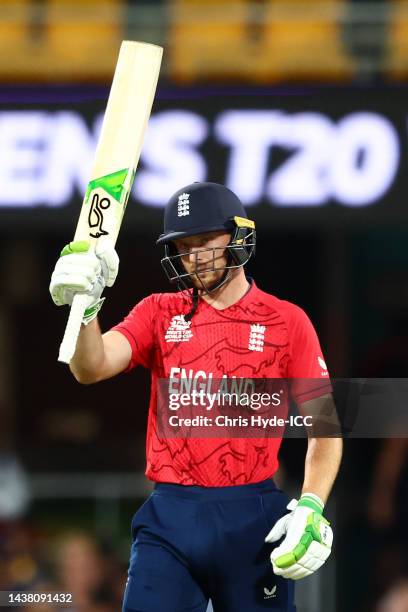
[207, 265]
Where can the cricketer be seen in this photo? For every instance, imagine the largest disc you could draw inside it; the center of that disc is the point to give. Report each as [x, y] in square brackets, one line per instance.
[216, 525]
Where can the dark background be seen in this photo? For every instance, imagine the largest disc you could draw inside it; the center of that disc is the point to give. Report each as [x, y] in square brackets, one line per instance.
[346, 266]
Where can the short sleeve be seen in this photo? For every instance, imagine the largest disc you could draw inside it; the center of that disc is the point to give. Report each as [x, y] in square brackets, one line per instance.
[138, 328]
[306, 359]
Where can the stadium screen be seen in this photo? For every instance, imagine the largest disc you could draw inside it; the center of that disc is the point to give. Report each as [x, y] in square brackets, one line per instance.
[333, 155]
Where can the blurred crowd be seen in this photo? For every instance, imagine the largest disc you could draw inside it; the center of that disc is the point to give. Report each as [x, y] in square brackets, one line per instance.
[386, 510]
[71, 562]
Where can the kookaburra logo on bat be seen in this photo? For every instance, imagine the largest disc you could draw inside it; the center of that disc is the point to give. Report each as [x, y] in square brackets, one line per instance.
[95, 217]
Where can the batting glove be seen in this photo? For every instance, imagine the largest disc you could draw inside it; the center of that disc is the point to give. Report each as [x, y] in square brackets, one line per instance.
[308, 539]
[81, 270]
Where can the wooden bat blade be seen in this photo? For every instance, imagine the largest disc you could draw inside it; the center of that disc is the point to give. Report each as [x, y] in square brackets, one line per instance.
[116, 158]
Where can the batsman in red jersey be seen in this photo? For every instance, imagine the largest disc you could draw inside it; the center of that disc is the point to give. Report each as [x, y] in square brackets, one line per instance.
[216, 526]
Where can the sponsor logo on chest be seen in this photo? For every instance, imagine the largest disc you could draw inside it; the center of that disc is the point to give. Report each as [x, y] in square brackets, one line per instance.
[178, 330]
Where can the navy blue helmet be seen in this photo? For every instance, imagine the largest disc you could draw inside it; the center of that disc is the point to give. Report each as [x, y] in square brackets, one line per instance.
[200, 208]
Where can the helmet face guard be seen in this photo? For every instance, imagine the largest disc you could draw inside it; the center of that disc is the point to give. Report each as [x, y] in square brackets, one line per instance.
[238, 252]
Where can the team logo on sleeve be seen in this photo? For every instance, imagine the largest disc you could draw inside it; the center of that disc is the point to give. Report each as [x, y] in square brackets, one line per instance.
[256, 338]
[323, 365]
[179, 330]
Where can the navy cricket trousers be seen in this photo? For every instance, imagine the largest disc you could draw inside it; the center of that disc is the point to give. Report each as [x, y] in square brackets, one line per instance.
[192, 544]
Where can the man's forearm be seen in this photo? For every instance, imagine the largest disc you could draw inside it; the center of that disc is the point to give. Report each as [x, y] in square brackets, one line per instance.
[322, 464]
[89, 355]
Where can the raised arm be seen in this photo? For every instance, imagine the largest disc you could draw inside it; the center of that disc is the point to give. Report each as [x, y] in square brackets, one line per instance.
[98, 356]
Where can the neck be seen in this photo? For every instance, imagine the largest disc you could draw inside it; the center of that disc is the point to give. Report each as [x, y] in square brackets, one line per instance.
[230, 293]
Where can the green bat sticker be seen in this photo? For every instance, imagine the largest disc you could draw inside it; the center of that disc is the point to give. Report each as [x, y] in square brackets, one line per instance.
[113, 185]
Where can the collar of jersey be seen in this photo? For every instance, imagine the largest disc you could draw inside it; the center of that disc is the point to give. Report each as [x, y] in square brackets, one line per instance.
[247, 296]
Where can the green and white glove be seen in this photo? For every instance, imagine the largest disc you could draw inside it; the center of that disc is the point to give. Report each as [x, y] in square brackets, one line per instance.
[81, 270]
[308, 538]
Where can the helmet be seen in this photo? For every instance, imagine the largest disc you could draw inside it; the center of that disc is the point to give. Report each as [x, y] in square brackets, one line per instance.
[197, 209]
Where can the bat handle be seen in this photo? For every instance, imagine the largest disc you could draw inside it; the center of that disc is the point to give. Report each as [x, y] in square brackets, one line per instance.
[68, 344]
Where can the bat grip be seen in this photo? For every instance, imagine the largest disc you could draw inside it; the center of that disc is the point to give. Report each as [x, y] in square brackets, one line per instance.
[68, 344]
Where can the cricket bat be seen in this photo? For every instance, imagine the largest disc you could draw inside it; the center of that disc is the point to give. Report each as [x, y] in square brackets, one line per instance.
[116, 158]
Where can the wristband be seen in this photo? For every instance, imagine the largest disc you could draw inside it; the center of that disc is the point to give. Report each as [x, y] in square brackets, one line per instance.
[310, 500]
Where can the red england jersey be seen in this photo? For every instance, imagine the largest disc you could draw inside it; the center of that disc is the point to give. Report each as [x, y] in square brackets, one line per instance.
[260, 336]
